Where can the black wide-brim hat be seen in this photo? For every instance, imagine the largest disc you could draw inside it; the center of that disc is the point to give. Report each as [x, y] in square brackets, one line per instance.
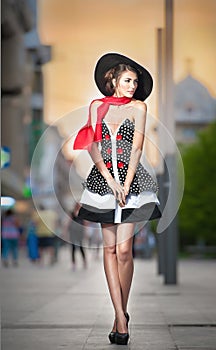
[110, 60]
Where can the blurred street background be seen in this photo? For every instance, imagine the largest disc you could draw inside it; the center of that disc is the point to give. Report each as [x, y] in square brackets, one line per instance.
[53, 288]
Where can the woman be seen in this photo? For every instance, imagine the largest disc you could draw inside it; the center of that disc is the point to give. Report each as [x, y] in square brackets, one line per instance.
[118, 191]
[10, 237]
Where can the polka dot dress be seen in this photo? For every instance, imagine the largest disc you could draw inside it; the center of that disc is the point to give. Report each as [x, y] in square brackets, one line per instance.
[142, 180]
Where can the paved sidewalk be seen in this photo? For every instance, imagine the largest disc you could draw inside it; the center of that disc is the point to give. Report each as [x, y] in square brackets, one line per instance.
[53, 307]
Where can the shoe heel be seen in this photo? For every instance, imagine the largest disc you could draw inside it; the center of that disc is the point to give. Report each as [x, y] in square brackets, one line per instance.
[111, 337]
[127, 316]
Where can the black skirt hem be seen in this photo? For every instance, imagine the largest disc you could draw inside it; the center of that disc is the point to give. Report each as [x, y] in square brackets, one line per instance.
[147, 212]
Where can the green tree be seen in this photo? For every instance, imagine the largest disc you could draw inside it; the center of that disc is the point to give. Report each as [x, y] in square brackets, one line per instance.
[197, 214]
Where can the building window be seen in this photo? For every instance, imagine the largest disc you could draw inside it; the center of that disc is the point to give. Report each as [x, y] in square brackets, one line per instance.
[189, 133]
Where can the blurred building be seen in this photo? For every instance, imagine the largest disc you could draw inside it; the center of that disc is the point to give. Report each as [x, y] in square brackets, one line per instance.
[23, 56]
[194, 109]
[17, 19]
[51, 172]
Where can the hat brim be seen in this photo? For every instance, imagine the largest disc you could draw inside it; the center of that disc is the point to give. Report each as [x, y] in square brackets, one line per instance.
[110, 60]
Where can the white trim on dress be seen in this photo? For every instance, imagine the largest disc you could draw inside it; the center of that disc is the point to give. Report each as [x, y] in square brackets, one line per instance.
[108, 201]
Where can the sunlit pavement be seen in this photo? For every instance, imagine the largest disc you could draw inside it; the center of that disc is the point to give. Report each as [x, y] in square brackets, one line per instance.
[53, 307]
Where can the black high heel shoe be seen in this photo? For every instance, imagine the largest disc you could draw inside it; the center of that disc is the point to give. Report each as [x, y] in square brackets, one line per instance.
[127, 317]
[122, 338]
[112, 335]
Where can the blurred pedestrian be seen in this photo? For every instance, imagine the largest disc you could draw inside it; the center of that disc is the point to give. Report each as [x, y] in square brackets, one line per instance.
[57, 241]
[32, 241]
[46, 220]
[76, 230]
[10, 237]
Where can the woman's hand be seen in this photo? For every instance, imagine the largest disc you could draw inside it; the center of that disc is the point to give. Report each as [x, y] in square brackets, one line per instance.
[118, 191]
[126, 188]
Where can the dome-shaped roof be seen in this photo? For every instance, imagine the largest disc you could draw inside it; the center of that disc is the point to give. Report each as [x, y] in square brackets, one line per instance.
[193, 101]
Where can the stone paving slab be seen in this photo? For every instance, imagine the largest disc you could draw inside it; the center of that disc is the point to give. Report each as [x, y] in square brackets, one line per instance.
[194, 337]
[44, 339]
[74, 310]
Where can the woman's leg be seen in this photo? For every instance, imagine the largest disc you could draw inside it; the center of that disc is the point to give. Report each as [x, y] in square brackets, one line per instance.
[14, 249]
[73, 249]
[82, 251]
[5, 251]
[112, 274]
[125, 232]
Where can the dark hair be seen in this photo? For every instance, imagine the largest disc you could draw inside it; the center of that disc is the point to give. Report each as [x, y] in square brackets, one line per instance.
[9, 212]
[115, 73]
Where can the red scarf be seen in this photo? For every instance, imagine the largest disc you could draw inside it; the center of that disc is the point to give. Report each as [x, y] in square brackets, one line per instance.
[86, 134]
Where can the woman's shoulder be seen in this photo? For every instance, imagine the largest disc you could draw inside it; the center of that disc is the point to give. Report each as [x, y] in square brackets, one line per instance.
[139, 111]
[96, 103]
[94, 106]
[140, 105]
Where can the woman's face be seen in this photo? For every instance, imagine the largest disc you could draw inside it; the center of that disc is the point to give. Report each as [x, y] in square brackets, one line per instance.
[126, 84]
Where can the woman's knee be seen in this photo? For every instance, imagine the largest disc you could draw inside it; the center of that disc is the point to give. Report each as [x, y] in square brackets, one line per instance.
[110, 250]
[124, 253]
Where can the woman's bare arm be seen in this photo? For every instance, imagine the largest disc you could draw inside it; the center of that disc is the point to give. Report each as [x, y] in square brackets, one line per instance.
[96, 156]
[138, 140]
